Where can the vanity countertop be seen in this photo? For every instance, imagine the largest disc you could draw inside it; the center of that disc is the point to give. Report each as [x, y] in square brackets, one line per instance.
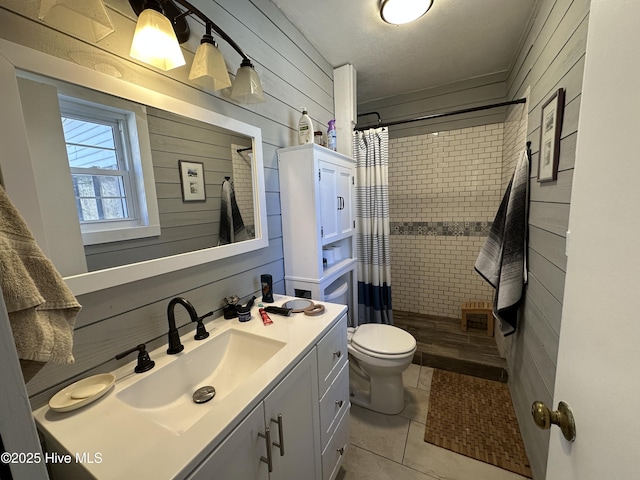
[124, 444]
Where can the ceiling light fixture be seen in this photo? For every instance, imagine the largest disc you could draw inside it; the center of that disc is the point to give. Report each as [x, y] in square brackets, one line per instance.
[208, 69]
[87, 19]
[398, 12]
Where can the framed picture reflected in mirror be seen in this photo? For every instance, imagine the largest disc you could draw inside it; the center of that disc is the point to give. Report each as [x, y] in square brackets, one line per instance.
[192, 181]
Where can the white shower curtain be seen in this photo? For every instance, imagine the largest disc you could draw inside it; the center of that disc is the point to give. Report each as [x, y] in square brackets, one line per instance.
[372, 214]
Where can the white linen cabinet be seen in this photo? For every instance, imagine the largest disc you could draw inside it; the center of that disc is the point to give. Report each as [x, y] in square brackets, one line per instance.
[317, 196]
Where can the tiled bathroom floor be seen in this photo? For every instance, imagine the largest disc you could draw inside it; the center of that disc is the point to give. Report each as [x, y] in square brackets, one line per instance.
[391, 447]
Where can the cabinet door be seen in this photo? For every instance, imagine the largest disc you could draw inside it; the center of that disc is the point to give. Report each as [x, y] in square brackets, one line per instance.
[291, 410]
[329, 203]
[346, 191]
[238, 456]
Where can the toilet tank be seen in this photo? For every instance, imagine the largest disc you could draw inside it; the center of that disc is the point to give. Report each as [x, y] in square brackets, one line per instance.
[338, 292]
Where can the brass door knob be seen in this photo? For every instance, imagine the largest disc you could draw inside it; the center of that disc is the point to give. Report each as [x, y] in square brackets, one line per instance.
[563, 417]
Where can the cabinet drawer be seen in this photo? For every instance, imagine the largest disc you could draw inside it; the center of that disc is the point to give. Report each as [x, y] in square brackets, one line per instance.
[337, 447]
[334, 403]
[332, 355]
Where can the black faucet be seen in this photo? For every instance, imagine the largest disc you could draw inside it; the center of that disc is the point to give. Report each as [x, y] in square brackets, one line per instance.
[174, 337]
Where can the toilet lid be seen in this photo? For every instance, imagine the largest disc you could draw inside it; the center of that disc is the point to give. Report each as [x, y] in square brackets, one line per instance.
[385, 339]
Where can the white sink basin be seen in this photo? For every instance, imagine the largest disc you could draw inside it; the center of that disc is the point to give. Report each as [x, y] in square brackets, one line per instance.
[164, 395]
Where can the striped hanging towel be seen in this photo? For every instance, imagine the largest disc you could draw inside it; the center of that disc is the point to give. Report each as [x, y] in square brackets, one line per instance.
[503, 258]
[232, 227]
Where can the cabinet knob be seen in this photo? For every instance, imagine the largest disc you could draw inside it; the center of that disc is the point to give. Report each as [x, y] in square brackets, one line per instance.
[340, 450]
[339, 403]
[337, 354]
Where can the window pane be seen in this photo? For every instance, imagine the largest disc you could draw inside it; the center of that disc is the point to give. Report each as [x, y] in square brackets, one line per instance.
[87, 209]
[90, 144]
[100, 197]
[114, 208]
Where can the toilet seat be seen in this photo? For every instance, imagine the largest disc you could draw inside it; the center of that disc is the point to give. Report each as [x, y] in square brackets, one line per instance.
[383, 341]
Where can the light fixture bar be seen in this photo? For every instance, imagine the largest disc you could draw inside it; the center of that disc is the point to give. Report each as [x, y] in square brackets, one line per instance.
[209, 68]
[193, 10]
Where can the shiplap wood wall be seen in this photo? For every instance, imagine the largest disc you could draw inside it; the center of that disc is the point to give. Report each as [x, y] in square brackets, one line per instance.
[293, 74]
[552, 57]
[466, 94]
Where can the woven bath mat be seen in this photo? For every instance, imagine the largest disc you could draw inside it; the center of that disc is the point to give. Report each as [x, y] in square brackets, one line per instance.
[475, 417]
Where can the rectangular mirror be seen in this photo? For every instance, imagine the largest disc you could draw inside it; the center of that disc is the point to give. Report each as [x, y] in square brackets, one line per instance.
[120, 183]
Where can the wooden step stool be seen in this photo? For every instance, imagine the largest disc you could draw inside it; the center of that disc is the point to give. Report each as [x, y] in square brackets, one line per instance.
[478, 308]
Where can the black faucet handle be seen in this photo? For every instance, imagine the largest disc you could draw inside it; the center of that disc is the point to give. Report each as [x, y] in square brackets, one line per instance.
[201, 332]
[144, 361]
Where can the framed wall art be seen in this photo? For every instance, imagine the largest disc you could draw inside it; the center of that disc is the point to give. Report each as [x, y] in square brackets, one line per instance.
[192, 181]
[550, 130]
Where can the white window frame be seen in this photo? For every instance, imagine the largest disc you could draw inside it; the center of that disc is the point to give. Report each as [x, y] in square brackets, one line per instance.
[144, 218]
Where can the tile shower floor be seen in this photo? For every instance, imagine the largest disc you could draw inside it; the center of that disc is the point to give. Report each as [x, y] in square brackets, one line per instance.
[392, 447]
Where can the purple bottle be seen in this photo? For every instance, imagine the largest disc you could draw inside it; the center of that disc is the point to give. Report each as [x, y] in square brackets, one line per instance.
[331, 135]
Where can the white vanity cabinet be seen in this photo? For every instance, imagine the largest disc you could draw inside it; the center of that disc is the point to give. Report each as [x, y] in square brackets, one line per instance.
[306, 415]
[291, 416]
[317, 198]
[299, 393]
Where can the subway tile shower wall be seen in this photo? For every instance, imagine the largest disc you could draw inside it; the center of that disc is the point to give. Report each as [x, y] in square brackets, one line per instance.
[444, 191]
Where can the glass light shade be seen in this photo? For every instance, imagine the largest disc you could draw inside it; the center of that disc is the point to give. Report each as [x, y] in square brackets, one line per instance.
[398, 12]
[87, 19]
[246, 87]
[155, 42]
[208, 68]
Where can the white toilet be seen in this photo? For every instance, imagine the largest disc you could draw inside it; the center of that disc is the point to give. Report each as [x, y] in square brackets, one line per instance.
[378, 354]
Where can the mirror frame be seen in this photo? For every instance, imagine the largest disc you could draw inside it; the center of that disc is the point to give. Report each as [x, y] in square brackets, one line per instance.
[19, 181]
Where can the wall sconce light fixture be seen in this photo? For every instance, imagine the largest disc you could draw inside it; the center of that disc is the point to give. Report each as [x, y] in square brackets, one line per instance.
[398, 12]
[208, 69]
[87, 19]
[154, 41]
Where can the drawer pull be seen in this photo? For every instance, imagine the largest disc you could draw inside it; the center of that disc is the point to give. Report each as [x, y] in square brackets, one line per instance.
[280, 443]
[340, 451]
[339, 403]
[337, 354]
[268, 459]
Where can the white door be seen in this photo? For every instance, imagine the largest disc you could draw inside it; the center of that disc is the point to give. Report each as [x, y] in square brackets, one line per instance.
[346, 189]
[599, 354]
[329, 204]
[291, 410]
[239, 455]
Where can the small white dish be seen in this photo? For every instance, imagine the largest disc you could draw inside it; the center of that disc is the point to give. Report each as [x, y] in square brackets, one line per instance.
[82, 392]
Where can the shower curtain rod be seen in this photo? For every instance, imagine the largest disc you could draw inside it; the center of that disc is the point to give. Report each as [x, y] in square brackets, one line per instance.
[435, 115]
